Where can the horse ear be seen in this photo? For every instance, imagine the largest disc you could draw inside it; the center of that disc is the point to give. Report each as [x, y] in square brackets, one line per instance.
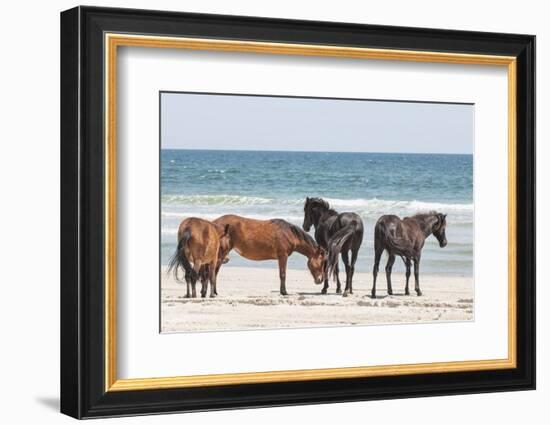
[307, 198]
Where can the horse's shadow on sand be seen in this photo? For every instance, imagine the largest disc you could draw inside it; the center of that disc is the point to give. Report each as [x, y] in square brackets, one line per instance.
[301, 294]
[389, 296]
[377, 297]
[319, 294]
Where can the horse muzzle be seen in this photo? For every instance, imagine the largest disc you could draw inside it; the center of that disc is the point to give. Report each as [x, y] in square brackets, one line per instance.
[443, 244]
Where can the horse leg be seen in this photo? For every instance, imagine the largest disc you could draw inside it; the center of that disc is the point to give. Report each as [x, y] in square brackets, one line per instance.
[352, 268]
[217, 271]
[188, 283]
[416, 273]
[212, 277]
[389, 265]
[282, 274]
[205, 273]
[345, 258]
[338, 284]
[325, 285]
[197, 268]
[407, 274]
[377, 255]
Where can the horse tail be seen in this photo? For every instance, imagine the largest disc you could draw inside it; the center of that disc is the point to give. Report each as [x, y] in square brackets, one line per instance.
[379, 236]
[335, 244]
[179, 259]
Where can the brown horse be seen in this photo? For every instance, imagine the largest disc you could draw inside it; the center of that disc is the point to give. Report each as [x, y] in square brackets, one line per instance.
[405, 238]
[202, 247]
[275, 239]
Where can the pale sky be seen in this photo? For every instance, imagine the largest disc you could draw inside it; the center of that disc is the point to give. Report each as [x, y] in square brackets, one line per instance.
[206, 121]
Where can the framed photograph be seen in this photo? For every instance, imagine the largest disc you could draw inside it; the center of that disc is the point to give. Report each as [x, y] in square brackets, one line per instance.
[261, 212]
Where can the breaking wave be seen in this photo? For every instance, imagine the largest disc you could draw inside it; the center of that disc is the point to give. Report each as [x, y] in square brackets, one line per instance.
[374, 204]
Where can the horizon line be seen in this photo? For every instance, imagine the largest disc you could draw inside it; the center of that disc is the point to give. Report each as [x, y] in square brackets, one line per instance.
[302, 151]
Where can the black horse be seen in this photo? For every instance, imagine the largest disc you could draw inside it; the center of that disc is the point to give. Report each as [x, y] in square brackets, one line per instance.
[338, 234]
[405, 238]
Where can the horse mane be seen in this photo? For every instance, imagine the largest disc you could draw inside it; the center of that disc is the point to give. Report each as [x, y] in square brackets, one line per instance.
[302, 235]
[299, 233]
[320, 202]
[421, 218]
[423, 215]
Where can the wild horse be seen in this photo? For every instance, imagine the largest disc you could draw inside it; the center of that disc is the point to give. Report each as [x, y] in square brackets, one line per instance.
[405, 238]
[202, 248]
[338, 234]
[274, 239]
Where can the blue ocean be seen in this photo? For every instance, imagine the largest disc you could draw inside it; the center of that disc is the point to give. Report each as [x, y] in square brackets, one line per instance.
[274, 184]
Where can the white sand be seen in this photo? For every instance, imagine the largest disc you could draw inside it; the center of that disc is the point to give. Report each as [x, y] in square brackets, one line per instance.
[249, 299]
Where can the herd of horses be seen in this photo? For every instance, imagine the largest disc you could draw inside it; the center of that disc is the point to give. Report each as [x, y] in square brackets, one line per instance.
[203, 246]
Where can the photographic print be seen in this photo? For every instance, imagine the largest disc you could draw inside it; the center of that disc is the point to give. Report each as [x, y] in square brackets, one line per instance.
[255, 183]
[292, 212]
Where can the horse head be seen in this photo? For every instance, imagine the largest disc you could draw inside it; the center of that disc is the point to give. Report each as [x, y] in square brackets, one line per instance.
[225, 245]
[308, 221]
[438, 229]
[312, 210]
[316, 265]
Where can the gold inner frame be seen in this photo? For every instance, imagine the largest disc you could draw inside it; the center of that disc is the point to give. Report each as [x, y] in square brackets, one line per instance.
[113, 41]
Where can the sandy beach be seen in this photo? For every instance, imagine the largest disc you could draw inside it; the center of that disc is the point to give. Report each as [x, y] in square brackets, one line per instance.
[249, 299]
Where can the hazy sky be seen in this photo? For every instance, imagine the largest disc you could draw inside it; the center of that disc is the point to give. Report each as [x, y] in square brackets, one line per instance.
[198, 121]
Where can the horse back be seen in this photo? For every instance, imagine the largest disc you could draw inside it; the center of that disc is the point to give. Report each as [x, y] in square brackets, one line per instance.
[251, 238]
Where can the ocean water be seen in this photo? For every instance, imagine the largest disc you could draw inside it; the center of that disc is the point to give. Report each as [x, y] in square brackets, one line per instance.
[263, 185]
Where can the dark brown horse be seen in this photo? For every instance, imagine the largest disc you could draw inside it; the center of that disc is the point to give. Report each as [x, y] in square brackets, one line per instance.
[339, 233]
[405, 238]
[274, 239]
[202, 247]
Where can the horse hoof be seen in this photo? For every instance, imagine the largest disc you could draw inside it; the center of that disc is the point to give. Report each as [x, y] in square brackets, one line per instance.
[407, 293]
[390, 292]
[187, 296]
[338, 290]
[212, 295]
[419, 293]
[345, 294]
[284, 293]
[373, 295]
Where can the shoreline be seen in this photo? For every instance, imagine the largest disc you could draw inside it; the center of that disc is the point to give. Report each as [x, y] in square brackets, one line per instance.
[249, 299]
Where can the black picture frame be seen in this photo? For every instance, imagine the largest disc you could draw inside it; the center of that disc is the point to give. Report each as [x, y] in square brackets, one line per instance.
[83, 392]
